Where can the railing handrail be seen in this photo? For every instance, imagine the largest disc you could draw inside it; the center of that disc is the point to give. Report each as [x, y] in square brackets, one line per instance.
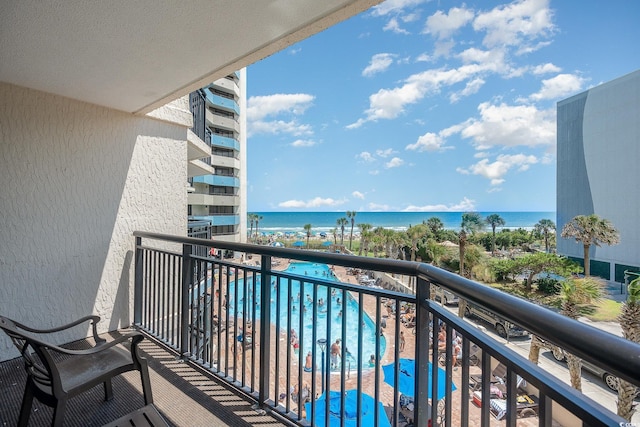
[619, 356]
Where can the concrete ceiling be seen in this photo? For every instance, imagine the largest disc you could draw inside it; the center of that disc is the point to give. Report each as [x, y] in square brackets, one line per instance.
[136, 56]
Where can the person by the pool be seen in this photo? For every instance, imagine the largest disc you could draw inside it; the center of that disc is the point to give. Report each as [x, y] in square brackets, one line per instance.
[335, 353]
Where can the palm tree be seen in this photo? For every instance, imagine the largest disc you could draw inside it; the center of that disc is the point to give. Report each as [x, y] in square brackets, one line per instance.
[471, 223]
[307, 228]
[544, 227]
[352, 216]
[342, 222]
[415, 234]
[364, 236]
[258, 218]
[252, 219]
[494, 220]
[590, 230]
[630, 323]
[334, 232]
[578, 297]
[435, 226]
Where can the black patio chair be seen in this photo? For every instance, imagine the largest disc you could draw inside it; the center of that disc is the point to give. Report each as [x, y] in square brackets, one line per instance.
[56, 374]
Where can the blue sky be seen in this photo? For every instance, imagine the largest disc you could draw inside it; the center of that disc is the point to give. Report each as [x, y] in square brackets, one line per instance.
[418, 105]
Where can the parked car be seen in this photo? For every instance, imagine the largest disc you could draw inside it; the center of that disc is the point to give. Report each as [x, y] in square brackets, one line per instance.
[446, 297]
[610, 380]
[503, 328]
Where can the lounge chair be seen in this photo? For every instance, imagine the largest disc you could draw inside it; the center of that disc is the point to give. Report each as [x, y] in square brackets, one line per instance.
[56, 374]
[498, 380]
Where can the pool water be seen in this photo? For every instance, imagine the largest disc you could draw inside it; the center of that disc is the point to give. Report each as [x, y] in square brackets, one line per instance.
[301, 301]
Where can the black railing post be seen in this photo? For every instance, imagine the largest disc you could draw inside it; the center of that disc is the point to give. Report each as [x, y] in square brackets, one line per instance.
[137, 283]
[265, 329]
[422, 352]
[185, 315]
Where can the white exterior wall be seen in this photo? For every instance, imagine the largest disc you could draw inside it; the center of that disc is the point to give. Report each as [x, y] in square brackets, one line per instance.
[598, 166]
[242, 102]
[77, 180]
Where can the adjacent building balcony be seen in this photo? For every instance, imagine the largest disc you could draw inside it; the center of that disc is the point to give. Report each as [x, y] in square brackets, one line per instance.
[219, 180]
[201, 199]
[214, 120]
[222, 102]
[225, 141]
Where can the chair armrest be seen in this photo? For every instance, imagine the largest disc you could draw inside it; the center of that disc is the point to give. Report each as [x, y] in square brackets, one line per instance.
[135, 338]
[94, 326]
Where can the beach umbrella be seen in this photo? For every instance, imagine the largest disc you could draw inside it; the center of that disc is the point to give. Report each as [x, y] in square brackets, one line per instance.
[327, 243]
[350, 414]
[298, 243]
[406, 378]
[277, 244]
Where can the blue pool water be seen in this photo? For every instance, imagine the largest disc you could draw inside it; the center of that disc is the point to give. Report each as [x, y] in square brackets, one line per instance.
[323, 324]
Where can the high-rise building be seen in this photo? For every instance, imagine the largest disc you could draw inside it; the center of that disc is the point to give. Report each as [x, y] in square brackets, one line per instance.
[598, 171]
[217, 200]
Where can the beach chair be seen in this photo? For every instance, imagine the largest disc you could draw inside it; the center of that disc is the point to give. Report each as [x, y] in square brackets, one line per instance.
[56, 374]
[498, 382]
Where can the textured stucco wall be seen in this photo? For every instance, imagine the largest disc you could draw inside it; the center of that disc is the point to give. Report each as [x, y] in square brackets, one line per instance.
[598, 158]
[75, 181]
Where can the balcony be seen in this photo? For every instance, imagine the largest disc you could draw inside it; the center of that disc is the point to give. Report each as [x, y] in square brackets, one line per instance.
[214, 120]
[213, 360]
[219, 180]
[212, 312]
[225, 141]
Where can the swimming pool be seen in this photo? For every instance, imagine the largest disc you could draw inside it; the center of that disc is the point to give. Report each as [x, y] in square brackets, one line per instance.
[301, 301]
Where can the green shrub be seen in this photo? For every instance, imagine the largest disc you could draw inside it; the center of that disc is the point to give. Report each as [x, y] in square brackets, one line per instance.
[548, 286]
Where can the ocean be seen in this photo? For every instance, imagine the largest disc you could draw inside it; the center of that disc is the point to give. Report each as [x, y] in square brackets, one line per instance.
[273, 222]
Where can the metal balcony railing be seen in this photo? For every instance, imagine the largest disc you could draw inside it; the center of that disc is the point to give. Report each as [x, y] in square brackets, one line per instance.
[269, 333]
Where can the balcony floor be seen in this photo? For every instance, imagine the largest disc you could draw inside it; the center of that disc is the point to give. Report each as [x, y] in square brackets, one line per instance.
[183, 395]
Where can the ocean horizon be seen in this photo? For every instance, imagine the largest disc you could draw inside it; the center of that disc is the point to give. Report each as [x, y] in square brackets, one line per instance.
[273, 222]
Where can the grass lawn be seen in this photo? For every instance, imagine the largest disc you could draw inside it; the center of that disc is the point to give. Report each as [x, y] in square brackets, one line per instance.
[607, 311]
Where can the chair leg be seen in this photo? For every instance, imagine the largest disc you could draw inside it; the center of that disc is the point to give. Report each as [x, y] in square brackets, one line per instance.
[108, 390]
[58, 413]
[27, 401]
[146, 383]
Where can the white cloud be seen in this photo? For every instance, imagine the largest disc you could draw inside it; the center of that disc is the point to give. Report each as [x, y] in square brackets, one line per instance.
[510, 126]
[394, 6]
[429, 142]
[279, 126]
[443, 25]
[374, 172]
[313, 203]
[358, 195]
[466, 205]
[303, 143]
[379, 63]
[496, 171]
[471, 87]
[559, 86]
[365, 156]
[424, 57]
[516, 24]
[394, 163]
[394, 26]
[545, 68]
[385, 153]
[259, 108]
[390, 103]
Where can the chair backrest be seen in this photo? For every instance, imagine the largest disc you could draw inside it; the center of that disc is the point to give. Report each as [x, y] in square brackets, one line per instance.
[37, 360]
[500, 372]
